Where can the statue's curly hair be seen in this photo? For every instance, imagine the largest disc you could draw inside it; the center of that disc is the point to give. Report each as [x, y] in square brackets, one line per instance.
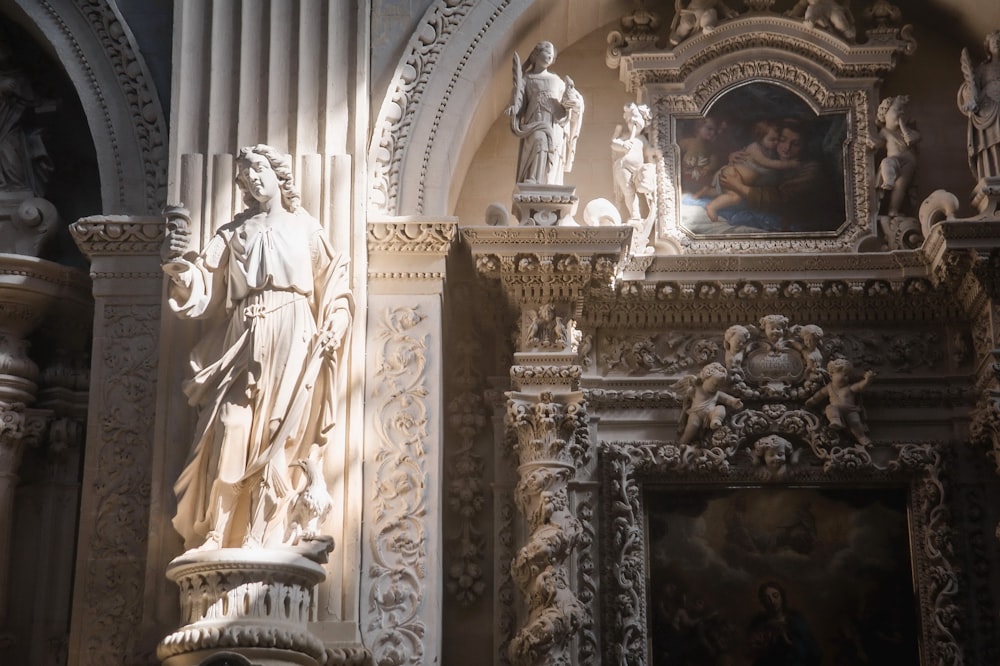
[291, 199]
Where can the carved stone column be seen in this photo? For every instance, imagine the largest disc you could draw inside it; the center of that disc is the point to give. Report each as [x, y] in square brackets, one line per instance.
[402, 579]
[964, 257]
[546, 273]
[109, 618]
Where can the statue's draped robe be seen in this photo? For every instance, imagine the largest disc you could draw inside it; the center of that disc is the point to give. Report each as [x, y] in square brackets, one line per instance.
[984, 122]
[543, 121]
[265, 392]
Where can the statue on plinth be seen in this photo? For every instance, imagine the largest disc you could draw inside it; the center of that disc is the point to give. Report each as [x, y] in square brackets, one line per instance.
[278, 305]
[545, 112]
[979, 99]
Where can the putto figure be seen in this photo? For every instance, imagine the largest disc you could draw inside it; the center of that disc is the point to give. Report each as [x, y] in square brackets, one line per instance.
[277, 299]
[979, 99]
[898, 137]
[634, 166]
[546, 113]
[843, 398]
[704, 401]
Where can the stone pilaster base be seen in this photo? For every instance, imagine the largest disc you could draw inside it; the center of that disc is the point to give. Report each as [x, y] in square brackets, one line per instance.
[244, 607]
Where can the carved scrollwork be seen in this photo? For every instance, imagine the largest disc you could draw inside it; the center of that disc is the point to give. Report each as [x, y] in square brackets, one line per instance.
[398, 533]
[421, 237]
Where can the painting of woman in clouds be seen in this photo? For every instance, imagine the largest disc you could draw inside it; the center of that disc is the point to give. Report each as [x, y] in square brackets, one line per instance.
[734, 572]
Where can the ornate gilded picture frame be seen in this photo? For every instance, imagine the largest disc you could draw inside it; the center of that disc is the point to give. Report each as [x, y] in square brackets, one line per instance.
[705, 590]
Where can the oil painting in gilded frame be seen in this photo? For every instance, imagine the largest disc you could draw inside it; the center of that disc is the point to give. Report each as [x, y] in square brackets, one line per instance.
[779, 575]
[761, 161]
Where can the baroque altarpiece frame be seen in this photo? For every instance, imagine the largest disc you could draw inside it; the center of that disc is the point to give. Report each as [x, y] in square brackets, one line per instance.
[786, 71]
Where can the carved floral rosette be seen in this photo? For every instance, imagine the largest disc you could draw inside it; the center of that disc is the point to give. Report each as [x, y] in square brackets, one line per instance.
[625, 467]
[236, 599]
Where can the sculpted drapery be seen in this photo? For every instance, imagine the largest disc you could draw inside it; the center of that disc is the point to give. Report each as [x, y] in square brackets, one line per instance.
[979, 99]
[277, 299]
[546, 113]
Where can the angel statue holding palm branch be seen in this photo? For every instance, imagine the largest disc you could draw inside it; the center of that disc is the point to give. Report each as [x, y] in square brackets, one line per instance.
[545, 114]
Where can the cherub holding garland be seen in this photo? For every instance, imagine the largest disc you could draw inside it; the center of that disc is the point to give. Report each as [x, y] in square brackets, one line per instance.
[704, 403]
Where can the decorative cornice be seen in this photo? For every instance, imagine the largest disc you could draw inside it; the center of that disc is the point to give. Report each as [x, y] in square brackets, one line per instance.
[411, 235]
[119, 234]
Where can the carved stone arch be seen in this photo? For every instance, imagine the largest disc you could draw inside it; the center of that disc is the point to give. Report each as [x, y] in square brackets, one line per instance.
[439, 99]
[94, 45]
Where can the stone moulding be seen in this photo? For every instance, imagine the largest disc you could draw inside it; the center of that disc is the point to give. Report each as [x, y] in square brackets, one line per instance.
[132, 161]
[235, 598]
[625, 467]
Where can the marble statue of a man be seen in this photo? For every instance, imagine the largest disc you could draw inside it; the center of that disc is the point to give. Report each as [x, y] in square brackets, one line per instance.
[545, 114]
[278, 305]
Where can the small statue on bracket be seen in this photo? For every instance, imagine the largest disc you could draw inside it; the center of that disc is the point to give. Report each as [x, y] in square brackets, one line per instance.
[545, 114]
[898, 137]
[979, 99]
[704, 401]
[844, 398]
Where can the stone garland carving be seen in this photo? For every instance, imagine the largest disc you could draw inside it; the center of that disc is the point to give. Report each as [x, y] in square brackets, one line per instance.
[640, 305]
[465, 496]
[149, 124]
[625, 465]
[407, 237]
[665, 353]
[587, 581]
[465, 492]
[506, 621]
[398, 533]
[551, 443]
[115, 580]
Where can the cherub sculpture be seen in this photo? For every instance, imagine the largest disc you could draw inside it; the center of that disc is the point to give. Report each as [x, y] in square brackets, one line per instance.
[634, 169]
[775, 329]
[775, 454]
[704, 402]
[811, 336]
[898, 137]
[701, 15]
[735, 343]
[827, 14]
[844, 398]
[979, 99]
[545, 114]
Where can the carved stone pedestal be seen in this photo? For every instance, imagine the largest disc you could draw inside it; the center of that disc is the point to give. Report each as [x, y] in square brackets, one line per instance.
[252, 605]
[545, 205]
